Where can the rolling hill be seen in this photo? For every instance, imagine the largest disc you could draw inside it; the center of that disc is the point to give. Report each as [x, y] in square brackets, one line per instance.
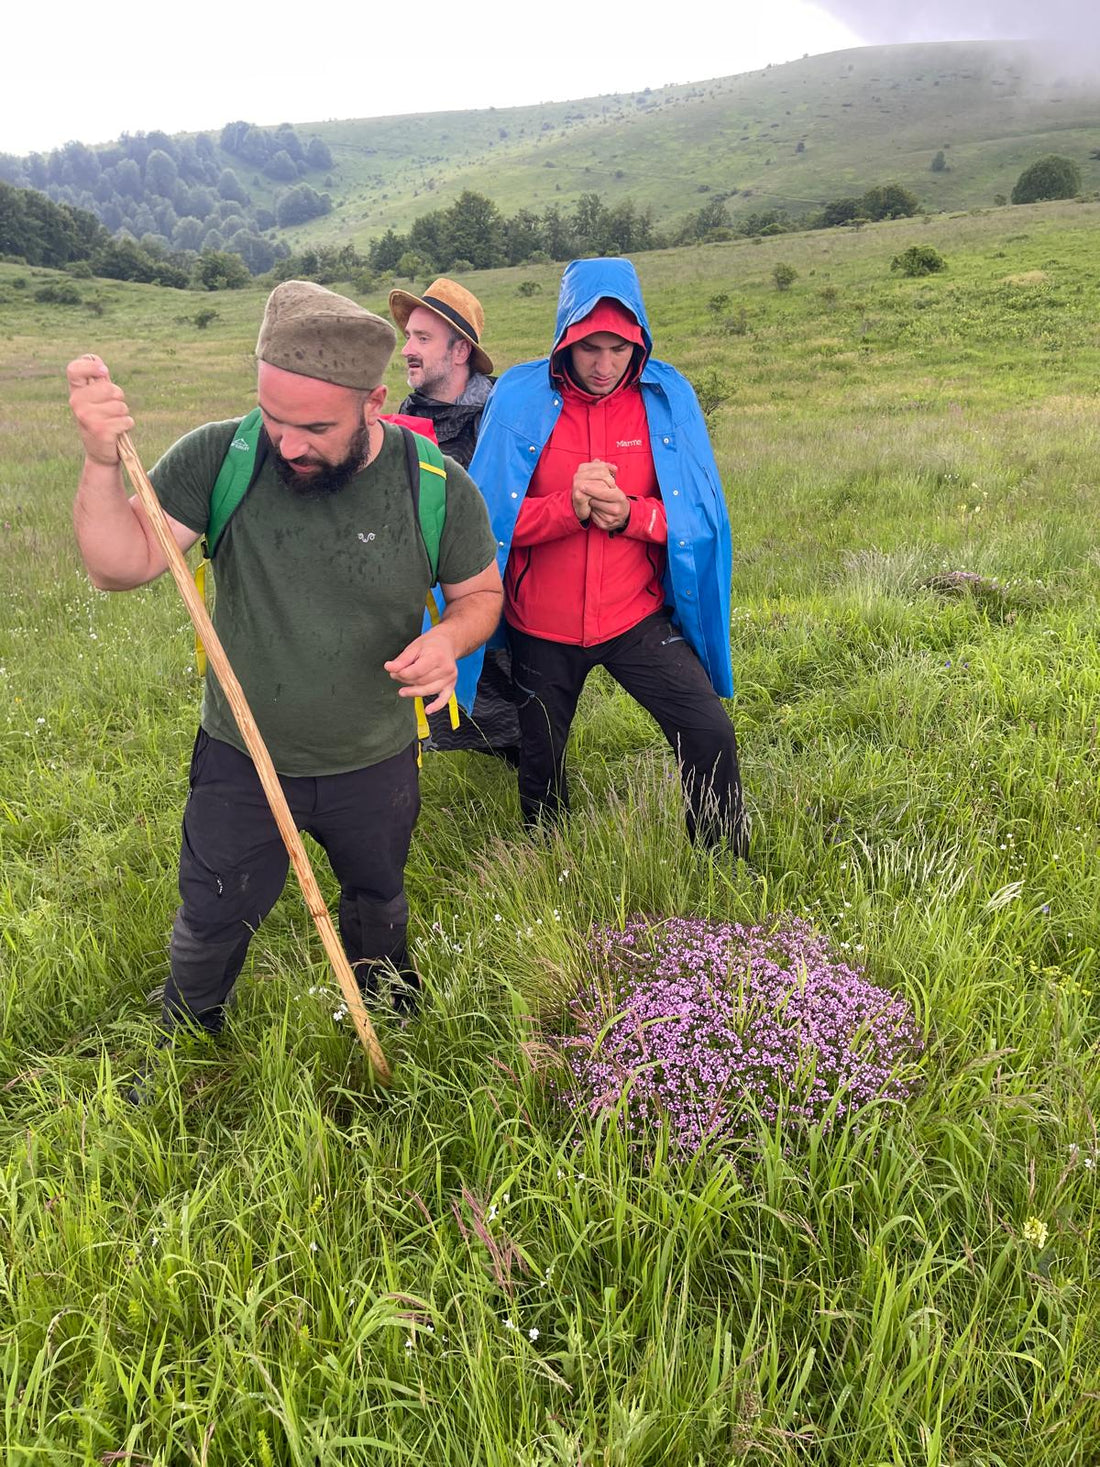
[791, 136]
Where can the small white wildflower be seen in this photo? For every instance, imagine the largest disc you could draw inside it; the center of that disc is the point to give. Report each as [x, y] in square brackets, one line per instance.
[40, 721]
[409, 1344]
[509, 1324]
[532, 1334]
[313, 1247]
[1090, 1162]
[491, 1215]
[497, 917]
[507, 1197]
[560, 1174]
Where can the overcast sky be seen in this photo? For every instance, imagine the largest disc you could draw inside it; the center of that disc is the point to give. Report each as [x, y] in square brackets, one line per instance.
[92, 72]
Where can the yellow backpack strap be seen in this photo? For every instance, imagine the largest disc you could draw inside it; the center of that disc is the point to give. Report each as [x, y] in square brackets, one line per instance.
[422, 729]
[200, 586]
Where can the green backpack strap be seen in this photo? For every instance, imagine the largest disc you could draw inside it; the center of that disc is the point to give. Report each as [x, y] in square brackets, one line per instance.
[428, 486]
[234, 479]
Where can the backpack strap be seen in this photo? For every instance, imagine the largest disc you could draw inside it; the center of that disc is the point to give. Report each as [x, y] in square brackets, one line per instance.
[243, 461]
[428, 487]
[244, 458]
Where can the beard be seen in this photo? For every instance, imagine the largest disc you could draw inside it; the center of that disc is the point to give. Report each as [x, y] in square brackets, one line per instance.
[326, 478]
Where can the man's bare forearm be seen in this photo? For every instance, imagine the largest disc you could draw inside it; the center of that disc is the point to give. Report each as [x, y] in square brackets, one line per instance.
[111, 535]
[113, 532]
[472, 619]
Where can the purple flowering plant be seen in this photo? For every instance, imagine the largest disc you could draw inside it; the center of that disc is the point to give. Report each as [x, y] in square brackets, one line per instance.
[708, 1027]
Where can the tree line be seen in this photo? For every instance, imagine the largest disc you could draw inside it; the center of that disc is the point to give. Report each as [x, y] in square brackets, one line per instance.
[474, 234]
[174, 195]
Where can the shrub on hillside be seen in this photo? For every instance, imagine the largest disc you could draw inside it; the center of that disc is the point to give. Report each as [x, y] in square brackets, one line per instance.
[219, 270]
[712, 389]
[63, 293]
[784, 275]
[1052, 177]
[706, 1027]
[919, 260]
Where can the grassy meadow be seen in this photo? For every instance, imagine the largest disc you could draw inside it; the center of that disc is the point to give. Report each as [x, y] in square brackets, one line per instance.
[277, 1264]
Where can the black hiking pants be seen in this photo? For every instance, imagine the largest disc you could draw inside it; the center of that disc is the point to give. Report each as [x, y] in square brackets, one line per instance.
[233, 866]
[658, 668]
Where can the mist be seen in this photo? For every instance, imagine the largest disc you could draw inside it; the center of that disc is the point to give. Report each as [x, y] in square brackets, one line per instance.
[1073, 24]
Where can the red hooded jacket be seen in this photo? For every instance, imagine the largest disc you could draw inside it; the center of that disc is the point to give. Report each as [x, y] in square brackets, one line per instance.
[568, 580]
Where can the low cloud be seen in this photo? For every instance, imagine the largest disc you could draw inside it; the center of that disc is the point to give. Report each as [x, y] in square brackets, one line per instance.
[1074, 22]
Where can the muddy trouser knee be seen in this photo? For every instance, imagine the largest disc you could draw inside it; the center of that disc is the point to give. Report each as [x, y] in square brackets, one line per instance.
[202, 976]
[233, 865]
[375, 937]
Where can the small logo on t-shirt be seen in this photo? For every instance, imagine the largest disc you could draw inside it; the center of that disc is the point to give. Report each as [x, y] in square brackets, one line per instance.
[367, 538]
[629, 443]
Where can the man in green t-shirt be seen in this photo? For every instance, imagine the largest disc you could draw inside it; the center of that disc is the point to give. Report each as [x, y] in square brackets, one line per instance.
[322, 573]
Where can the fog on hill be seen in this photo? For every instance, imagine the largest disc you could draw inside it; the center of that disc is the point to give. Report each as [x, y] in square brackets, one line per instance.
[1073, 24]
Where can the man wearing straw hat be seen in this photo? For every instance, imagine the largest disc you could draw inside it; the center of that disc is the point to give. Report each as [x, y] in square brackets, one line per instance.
[451, 379]
[450, 374]
[322, 573]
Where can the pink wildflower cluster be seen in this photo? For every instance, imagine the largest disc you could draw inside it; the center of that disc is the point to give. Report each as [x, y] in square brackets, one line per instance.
[694, 1024]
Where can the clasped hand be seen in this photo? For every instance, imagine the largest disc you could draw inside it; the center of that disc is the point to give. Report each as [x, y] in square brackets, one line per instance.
[597, 498]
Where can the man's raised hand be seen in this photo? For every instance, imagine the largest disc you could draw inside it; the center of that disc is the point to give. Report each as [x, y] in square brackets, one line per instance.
[99, 407]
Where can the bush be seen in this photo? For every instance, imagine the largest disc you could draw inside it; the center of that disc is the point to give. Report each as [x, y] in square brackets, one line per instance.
[63, 294]
[1052, 177]
[218, 270]
[712, 390]
[919, 260]
[784, 275]
[528, 287]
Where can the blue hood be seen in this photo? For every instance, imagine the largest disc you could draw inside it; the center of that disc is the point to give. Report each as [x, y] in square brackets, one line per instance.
[587, 282]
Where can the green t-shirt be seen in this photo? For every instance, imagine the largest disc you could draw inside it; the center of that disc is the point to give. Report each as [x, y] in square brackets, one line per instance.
[313, 595]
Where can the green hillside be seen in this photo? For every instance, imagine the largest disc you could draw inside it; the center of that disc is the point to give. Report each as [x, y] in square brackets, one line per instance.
[790, 136]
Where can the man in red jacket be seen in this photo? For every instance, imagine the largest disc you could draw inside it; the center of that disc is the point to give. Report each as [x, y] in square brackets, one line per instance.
[584, 583]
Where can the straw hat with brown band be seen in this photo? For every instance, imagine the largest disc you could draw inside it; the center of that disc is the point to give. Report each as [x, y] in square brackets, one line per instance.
[455, 305]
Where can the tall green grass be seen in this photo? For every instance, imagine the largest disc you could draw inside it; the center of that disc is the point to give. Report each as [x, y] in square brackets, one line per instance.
[276, 1263]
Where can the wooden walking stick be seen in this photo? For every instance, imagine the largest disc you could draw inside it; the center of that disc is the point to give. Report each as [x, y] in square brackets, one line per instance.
[260, 757]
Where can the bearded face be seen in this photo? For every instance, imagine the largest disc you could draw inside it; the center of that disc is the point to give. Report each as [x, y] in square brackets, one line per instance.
[312, 477]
